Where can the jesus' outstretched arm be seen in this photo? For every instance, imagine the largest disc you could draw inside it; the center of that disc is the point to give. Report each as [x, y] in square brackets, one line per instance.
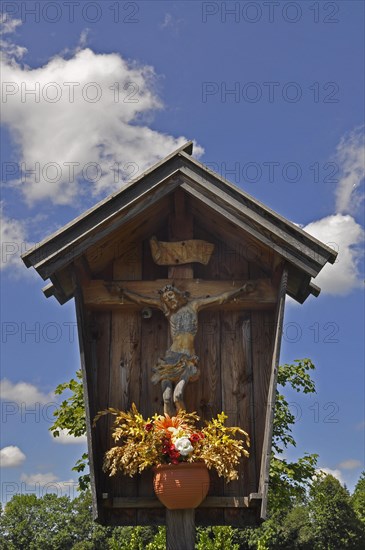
[201, 303]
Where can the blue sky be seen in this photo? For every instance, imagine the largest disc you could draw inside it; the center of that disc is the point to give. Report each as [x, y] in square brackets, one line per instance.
[272, 95]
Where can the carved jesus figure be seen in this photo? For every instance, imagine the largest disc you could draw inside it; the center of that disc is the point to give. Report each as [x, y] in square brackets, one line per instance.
[180, 364]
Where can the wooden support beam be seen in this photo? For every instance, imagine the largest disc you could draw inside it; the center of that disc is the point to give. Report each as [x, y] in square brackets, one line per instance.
[84, 339]
[271, 397]
[96, 292]
[209, 502]
[180, 529]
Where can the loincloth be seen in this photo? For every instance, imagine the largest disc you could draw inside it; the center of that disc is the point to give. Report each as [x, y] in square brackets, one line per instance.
[176, 366]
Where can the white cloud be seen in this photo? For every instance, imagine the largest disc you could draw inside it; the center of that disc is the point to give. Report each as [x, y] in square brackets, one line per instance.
[340, 230]
[13, 242]
[171, 22]
[351, 158]
[333, 472]
[44, 483]
[350, 464]
[11, 457]
[38, 478]
[66, 439]
[8, 25]
[11, 51]
[84, 38]
[83, 129]
[345, 235]
[167, 20]
[23, 393]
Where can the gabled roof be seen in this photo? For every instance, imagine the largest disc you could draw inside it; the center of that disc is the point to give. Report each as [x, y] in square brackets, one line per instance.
[244, 215]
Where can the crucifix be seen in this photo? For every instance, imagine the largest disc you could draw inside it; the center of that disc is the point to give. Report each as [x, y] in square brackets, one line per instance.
[180, 363]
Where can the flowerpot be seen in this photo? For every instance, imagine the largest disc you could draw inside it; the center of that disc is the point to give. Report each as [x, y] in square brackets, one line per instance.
[181, 486]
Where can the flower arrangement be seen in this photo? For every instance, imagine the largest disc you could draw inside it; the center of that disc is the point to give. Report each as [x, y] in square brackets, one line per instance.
[170, 440]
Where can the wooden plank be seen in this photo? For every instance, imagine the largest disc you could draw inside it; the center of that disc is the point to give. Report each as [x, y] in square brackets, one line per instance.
[250, 474]
[100, 332]
[96, 293]
[262, 327]
[231, 380]
[180, 228]
[180, 529]
[267, 443]
[125, 354]
[153, 502]
[154, 337]
[204, 395]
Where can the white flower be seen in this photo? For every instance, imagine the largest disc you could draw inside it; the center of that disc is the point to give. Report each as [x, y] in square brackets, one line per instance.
[184, 446]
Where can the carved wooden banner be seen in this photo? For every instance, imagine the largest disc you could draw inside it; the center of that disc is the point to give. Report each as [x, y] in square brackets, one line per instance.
[183, 252]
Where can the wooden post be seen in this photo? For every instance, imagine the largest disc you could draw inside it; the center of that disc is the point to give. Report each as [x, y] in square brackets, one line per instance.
[180, 529]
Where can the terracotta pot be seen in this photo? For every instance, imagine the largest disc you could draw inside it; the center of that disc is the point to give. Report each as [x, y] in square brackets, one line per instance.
[181, 486]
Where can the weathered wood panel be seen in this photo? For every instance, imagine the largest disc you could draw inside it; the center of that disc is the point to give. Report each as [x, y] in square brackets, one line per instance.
[154, 337]
[101, 332]
[180, 228]
[180, 529]
[262, 345]
[205, 395]
[124, 362]
[250, 473]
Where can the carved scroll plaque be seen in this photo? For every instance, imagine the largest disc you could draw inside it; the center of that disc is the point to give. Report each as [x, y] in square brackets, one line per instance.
[181, 252]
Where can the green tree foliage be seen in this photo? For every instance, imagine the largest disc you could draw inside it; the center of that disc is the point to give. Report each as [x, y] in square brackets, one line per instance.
[358, 499]
[58, 523]
[334, 522]
[216, 538]
[70, 416]
[31, 523]
[290, 480]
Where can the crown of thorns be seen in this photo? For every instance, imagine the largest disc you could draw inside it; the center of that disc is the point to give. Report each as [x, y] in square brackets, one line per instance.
[167, 288]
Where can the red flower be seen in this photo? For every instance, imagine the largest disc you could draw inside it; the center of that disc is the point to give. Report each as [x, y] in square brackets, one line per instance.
[148, 427]
[196, 437]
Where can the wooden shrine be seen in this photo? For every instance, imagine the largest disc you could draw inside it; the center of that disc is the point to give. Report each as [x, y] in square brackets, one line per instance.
[180, 226]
